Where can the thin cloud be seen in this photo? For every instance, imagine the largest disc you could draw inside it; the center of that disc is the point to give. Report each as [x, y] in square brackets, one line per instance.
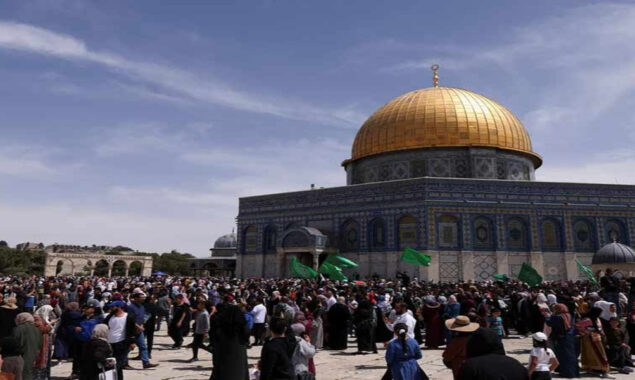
[180, 83]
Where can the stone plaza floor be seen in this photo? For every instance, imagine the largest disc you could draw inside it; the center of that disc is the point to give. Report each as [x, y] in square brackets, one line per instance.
[330, 365]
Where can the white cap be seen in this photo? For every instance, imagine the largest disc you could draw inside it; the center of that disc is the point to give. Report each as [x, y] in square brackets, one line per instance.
[540, 337]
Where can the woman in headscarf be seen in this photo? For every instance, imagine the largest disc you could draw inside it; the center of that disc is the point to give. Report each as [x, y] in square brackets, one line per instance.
[40, 368]
[563, 341]
[382, 334]
[64, 342]
[538, 309]
[432, 319]
[230, 335]
[46, 313]
[593, 356]
[8, 312]
[315, 328]
[450, 311]
[96, 351]
[364, 321]
[29, 342]
[609, 310]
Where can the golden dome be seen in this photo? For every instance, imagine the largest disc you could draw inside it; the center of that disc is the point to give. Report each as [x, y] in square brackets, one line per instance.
[439, 117]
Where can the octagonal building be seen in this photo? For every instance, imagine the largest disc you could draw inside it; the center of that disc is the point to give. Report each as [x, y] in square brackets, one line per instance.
[448, 172]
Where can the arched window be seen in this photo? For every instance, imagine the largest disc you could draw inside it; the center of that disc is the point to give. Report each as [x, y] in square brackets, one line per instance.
[407, 232]
[377, 234]
[448, 231]
[615, 231]
[250, 239]
[583, 236]
[517, 234]
[551, 235]
[349, 237]
[483, 233]
[269, 243]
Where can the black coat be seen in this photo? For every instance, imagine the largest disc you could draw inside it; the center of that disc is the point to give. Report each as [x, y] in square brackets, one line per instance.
[7, 321]
[96, 351]
[275, 360]
[493, 366]
[338, 317]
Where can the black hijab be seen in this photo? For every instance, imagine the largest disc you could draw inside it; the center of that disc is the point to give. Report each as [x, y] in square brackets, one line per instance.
[483, 342]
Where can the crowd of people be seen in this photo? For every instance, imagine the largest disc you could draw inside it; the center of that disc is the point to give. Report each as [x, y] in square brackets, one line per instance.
[574, 326]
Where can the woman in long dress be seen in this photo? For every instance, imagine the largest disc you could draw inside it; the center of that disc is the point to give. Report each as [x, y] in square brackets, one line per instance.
[434, 326]
[593, 356]
[41, 366]
[563, 341]
[230, 336]
[402, 354]
[29, 340]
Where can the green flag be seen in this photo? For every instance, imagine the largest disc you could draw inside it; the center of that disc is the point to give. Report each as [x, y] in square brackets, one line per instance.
[500, 277]
[300, 270]
[332, 271]
[587, 272]
[529, 275]
[340, 261]
[415, 257]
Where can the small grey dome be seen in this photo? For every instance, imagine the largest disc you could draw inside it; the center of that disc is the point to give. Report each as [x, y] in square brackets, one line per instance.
[226, 241]
[614, 253]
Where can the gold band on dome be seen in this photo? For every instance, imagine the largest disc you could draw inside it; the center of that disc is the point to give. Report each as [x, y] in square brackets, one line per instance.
[438, 117]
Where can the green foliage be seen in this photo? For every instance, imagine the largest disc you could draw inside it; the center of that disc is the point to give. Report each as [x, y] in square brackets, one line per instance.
[17, 262]
[174, 263]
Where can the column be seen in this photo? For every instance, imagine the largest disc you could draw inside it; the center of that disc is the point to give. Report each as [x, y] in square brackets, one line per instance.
[109, 270]
[467, 264]
[92, 271]
[127, 269]
[433, 269]
[316, 259]
[537, 263]
[502, 263]
[571, 265]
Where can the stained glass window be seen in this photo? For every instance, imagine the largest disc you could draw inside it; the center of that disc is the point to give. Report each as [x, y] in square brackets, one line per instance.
[377, 234]
[251, 239]
[483, 233]
[407, 232]
[516, 234]
[551, 235]
[270, 239]
[583, 236]
[448, 231]
[349, 237]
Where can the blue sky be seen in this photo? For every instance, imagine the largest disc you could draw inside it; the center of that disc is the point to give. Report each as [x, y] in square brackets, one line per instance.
[141, 123]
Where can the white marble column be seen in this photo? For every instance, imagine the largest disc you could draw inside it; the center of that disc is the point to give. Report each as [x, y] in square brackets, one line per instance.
[467, 264]
[537, 263]
[432, 270]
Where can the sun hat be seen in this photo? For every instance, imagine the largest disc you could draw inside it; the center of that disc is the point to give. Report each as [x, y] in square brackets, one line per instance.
[539, 337]
[461, 324]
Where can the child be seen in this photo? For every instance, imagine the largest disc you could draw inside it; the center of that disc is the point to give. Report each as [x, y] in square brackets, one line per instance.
[542, 360]
[618, 352]
[496, 323]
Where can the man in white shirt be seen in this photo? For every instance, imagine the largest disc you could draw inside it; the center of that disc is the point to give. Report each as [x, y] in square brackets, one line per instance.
[259, 312]
[403, 316]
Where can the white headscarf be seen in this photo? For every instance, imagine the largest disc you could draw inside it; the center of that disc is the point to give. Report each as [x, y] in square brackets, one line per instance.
[605, 306]
[44, 312]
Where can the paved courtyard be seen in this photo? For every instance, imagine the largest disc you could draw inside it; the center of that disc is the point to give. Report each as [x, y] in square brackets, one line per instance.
[330, 365]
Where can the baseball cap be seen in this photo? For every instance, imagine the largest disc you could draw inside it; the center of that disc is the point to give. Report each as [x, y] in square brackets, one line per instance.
[540, 337]
[117, 303]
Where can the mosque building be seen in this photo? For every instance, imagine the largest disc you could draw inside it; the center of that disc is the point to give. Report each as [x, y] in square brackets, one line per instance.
[448, 172]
